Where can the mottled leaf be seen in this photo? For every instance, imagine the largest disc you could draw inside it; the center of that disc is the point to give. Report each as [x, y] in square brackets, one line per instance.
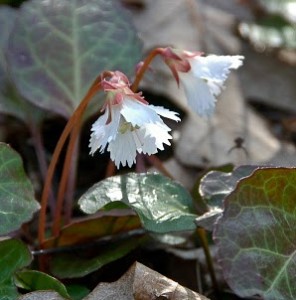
[140, 282]
[16, 192]
[58, 47]
[256, 235]
[79, 264]
[108, 223]
[214, 187]
[35, 280]
[14, 255]
[163, 205]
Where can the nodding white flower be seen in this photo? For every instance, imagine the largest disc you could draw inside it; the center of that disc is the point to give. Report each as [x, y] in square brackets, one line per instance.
[129, 125]
[202, 77]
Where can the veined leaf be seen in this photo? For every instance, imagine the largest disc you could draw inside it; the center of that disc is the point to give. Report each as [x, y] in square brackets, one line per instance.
[256, 235]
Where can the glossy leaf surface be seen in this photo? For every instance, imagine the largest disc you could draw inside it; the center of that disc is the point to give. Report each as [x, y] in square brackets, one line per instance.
[91, 229]
[35, 280]
[14, 255]
[162, 204]
[16, 192]
[256, 235]
[75, 264]
[58, 48]
[214, 187]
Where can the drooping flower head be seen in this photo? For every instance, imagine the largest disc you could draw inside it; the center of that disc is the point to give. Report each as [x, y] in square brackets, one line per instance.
[202, 77]
[128, 125]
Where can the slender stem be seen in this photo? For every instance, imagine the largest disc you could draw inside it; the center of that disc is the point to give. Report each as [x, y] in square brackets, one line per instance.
[69, 196]
[144, 68]
[64, 179]
[157, 163]
[140, 164]
[76, 116]
[111, 169]
[204, 243]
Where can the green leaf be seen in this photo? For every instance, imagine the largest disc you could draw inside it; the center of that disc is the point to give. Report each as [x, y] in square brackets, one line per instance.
[91, 229]
[58, 48]
[256, 235]
[77, 292]
[162, 204]
[76, 265]
[35, 280]
[14, 255]
[11, 102]
[214, 187]
[7, 17]
[16, 192]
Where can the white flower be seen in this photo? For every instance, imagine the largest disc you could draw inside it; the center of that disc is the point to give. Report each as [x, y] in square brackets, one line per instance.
[205, 80]
[130, 126]
[202, 77]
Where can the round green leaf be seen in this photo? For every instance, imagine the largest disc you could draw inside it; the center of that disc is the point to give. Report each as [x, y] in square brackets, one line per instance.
[35, 280]
[214, 187]
[11, 102]
[14, 255]
[17, 203]
[77, 264]
[256, 235]
[58, 47]
[163, 205]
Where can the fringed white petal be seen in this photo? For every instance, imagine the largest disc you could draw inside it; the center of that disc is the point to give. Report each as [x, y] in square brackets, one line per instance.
[103, 133]
[138, 113]
[134, 128]
[164, 112]
[214, 67]
[198, 95]
[123, 149]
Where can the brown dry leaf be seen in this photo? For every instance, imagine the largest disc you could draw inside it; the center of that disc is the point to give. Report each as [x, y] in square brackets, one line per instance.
[142, 283]
[209, 26]
[44, 295]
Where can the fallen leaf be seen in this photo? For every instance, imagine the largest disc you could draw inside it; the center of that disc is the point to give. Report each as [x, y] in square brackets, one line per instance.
[141, 283]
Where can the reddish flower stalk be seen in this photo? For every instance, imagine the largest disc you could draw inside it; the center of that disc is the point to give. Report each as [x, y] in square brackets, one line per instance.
[77, 115]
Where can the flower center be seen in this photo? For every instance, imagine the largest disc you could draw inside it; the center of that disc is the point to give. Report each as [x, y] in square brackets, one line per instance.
[127, 126]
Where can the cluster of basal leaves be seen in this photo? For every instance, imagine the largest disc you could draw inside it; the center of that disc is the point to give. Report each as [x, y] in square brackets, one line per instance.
[274, 26]
[50, 51]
